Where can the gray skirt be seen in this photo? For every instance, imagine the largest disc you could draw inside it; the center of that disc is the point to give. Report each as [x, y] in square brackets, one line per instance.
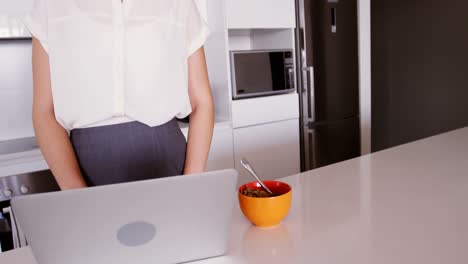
[129, 152]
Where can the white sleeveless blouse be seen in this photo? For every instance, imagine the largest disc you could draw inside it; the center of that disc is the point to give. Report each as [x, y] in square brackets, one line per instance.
[113, 61]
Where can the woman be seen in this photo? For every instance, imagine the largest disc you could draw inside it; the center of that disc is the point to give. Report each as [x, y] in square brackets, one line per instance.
[116, 74]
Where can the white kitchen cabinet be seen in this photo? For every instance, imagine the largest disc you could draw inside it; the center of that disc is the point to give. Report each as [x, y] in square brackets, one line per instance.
[11, 14]
[221, 152]
[267, 109]
[272, 149]
[260, 14]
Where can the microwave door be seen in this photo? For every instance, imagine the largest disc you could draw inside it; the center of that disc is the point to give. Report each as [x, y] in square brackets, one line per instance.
[260, 73]
[253, 74]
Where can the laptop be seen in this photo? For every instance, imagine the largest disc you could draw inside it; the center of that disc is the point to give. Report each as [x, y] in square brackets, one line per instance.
[169, 220]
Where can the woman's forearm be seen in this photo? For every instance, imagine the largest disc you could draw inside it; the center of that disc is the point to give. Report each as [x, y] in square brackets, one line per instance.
[199, 138]
[52, 137]
[58, 152]
[202, 117]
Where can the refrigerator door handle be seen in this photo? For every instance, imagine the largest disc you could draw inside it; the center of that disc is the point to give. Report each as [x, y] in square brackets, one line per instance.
[305, 23]
[310, 90]
[313, 148]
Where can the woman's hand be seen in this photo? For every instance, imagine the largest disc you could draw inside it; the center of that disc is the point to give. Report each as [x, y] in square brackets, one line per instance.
[202, 117]
[52, 137]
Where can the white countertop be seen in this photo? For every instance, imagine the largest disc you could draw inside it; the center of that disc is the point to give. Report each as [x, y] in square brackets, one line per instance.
[405, 205]
[22, 162]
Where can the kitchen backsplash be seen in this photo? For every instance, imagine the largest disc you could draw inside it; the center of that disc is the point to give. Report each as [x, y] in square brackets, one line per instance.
[15, 89]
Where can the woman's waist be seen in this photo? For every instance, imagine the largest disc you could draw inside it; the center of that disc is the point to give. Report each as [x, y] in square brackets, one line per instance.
[120, 124]
[111, 121]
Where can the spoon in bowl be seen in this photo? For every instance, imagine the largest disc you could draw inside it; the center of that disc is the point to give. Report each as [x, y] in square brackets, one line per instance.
[247, 166]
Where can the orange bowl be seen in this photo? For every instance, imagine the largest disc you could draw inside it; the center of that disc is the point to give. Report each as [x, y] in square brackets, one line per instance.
[266, 211]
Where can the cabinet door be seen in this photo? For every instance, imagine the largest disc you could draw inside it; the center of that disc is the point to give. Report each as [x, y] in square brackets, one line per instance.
[272, 149]
[260, 13]
[221, 152]
[11, 14]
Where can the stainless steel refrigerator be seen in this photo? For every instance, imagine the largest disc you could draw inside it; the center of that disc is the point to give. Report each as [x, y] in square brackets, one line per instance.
[327, 57]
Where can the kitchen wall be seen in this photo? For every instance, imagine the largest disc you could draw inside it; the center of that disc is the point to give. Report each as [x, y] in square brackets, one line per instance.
[15, 72]
[419, 72]
[15, 89]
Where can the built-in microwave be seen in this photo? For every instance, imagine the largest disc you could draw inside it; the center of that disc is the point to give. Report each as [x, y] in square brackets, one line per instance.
[262, 72]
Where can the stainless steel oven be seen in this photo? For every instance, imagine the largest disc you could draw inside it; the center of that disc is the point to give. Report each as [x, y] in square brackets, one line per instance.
[11, 236]
[262, 72]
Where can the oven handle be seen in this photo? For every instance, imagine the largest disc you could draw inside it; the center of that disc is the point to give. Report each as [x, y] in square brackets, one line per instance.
[14, 232]
[19, 240]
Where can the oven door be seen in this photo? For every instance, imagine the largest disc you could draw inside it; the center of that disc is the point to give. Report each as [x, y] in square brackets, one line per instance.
[11, 236]
[6, 235]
